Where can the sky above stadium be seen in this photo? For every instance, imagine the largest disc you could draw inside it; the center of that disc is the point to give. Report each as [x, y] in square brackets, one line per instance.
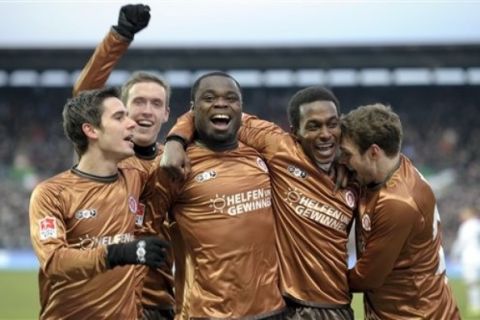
[258, 23]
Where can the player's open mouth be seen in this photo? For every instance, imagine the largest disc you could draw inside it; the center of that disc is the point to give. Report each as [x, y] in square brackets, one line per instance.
[129, 138]
[144, 123]
[220, 121]
[325, 148]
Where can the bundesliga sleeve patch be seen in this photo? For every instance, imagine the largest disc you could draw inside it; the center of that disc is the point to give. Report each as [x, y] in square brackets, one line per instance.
[48, 228]
[140, 214]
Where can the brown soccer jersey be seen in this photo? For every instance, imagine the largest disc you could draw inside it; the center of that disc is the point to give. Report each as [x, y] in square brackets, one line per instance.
[224, 215]
[312, 222]
[157, 289]
[158, 283]
[73, 216]
[400, 264]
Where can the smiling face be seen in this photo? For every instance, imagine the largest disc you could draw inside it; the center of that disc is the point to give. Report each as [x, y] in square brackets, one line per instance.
[115, 134]
[217, 108]
[319, 131]
[147, 106]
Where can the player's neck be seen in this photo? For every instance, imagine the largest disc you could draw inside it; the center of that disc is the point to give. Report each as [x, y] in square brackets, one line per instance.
[387, 168]
[97, 164]
[217, 146]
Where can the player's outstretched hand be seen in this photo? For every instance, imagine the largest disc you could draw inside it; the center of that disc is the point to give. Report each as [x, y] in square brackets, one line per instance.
[175, 160]
[131, 19]
[149, 251]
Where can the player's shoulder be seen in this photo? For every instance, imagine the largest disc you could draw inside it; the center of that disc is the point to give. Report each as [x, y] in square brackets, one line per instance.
[56, 184]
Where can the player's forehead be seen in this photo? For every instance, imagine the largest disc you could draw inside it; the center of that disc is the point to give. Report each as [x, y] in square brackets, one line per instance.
[218, 84]
[348, 146]
[112, 106]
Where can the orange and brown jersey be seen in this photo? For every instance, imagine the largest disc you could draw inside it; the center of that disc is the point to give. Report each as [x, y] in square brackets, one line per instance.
[97, 70]
[73, 217]
[224, 215]
[312, 222]
[157, 289]
[400, 265]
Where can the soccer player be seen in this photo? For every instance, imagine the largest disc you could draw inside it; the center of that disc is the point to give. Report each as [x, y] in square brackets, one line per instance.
[146, 97]
[223, 210]
[82, 221]
[467, 249]
[400, 266]
[312, 221]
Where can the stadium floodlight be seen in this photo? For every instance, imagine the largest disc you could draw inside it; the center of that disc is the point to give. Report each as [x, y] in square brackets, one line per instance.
[449, 76]
[342, 78]
[412, 76]
[247, 78]
[118, 78]
[473, 75]
[375, 77]
[54, 78]
[310, 77]
[179, 78]
[278, 78]
[24, 78]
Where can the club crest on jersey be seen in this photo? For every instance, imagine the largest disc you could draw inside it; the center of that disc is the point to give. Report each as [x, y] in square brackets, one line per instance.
[48, 228]
[366, 223]
[206, 175]
[132, 204]
[86, 214]
[140, 214]
[297, 172]
[350, 198]
[261, 164]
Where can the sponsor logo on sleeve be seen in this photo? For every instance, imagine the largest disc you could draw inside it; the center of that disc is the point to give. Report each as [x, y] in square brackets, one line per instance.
[296, 172]
[86, 214]
[140, 214]
[366, 223]
[48, 228]
[206, 175]
[132, 204]
[261, 164]
[350, 198]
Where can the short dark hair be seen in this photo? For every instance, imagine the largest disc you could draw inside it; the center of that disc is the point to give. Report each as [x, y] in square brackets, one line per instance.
[86, 107]
[307, 95]
[374, 124]
[140, 77]
[196, 84]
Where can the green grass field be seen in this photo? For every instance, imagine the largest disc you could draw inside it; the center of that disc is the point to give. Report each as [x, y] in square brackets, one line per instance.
[19, 296]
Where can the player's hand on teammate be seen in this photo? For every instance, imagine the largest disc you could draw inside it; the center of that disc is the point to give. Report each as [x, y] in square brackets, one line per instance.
[150, 251]
[131, 19]
[342, 177]
[175, 160]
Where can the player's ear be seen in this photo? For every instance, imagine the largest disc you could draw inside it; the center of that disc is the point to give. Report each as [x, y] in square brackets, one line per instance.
[89, 130]
[374, 151]
[192, 105]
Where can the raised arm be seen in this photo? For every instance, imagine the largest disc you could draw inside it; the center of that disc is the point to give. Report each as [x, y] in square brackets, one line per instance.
[131, 19]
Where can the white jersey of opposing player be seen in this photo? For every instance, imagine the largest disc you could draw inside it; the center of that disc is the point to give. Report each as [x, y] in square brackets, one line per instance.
[467, 247]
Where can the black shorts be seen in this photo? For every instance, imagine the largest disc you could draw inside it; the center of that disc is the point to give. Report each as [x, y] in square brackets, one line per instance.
[157, 314]
[297, 311]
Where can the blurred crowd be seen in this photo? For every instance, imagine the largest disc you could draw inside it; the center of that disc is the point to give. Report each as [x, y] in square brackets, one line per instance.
[440, 124]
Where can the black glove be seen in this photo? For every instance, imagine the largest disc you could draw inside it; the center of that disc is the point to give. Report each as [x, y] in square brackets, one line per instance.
[131, 19]
[149, 251]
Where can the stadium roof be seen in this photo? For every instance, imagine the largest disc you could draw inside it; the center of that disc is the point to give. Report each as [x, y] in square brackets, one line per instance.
[164, 59]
